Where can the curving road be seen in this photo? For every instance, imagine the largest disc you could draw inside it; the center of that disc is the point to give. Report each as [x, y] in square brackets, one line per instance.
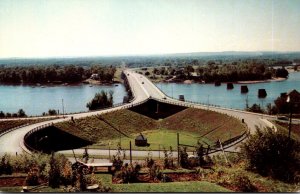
[12, 142]
[142, 89]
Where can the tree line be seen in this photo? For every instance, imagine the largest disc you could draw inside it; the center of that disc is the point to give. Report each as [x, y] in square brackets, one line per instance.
[54, 74]
[224, 73]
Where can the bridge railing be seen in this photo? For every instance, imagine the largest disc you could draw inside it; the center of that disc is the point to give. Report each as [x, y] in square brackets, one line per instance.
[12, 129]
[28, 134]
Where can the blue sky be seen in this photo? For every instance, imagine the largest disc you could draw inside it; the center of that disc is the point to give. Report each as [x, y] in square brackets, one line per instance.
[43, 28]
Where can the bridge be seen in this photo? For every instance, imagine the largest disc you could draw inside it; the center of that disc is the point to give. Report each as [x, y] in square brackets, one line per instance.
[143, 89]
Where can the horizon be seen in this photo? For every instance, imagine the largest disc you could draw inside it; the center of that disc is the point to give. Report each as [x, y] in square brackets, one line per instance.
[149, 55]
[49, 29]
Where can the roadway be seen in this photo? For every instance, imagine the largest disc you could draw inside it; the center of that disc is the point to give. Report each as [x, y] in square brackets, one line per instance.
[142, 89]
[12, 142]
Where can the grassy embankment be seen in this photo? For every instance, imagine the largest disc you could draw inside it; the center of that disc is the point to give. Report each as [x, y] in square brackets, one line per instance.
[125, 125]
[6, 125]
[283, 127]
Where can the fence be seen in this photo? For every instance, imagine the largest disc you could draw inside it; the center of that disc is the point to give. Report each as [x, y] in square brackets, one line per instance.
[28, 134]
[12, 129]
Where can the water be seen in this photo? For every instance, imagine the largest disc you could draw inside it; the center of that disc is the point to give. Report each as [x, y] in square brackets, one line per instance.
[205, 93]
[37, 100]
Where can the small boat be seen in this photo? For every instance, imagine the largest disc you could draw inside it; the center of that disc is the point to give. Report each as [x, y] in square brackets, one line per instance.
[91, 85]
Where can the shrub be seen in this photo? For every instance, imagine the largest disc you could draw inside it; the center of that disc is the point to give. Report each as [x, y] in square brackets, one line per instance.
[244, 184]
[54, 173]
[32, 177]
[5, 166]
[155, 172]
[149, 160]
[184, 162]
[273, 154]
[129, 173]
[168, 158]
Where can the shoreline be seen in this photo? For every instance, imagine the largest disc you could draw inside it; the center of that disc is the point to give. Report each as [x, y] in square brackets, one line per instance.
[41, 85]
[261, 81]
[235, 82]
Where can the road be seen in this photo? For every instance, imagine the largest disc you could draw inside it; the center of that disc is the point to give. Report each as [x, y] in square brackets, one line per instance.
[12, 142]
[142, 89]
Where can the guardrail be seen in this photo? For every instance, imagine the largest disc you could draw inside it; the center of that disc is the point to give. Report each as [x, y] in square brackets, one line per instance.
[12, 129]
[27, 135]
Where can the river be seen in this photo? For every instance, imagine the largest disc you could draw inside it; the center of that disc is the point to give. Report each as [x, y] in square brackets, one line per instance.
[208, 93]
[36, 100]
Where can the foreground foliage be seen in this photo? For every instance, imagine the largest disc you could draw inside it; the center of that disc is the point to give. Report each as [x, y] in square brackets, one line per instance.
[273, 154]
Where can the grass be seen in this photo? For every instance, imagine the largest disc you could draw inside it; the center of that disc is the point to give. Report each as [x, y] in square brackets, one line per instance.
[6, 125]
[295, 129]
[94, 129]
[192, 124]
[158, 139]
[193, 186]
[205, 123]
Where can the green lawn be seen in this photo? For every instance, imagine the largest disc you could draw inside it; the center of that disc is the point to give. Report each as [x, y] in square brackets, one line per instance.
[193, 186]
[158, 139]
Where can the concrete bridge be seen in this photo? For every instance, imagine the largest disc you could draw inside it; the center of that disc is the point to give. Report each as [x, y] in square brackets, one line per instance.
[142, 89]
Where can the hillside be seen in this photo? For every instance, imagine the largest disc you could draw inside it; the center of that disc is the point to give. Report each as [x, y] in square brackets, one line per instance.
[205, 123]
[192, 124]
[122, 123]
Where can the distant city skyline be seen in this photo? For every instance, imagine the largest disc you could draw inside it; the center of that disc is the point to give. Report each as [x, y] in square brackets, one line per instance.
[41, 28]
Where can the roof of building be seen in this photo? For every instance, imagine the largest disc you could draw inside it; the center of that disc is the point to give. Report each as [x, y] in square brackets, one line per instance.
[294, 95]
[141, 137]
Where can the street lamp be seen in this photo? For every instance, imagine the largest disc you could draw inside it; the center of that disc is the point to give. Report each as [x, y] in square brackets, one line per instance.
[63, 109]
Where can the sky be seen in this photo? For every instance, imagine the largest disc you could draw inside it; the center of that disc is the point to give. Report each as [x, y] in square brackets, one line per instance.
[59, 28]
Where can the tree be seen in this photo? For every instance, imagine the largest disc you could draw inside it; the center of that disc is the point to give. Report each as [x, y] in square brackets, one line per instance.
[273, 154]
[101, 100]
[255, 108]
[282, 72]
[52, 112]
[21, 113]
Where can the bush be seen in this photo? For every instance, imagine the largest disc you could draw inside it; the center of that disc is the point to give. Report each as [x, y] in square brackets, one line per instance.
[184, 162]
[129, 173]
[32, 178]
[54, 173]
[5, 166]
[273, 154]
[168, 158]
[244, 184]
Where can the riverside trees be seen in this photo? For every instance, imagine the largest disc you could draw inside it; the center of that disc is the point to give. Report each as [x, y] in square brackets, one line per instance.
[101, 100]
[54, 73]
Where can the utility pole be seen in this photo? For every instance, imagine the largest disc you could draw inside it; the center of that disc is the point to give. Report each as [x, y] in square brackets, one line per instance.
[63, 109]
[207, 102]
[178, 159]
[290, 122]
[130, 152]
[172, 91]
